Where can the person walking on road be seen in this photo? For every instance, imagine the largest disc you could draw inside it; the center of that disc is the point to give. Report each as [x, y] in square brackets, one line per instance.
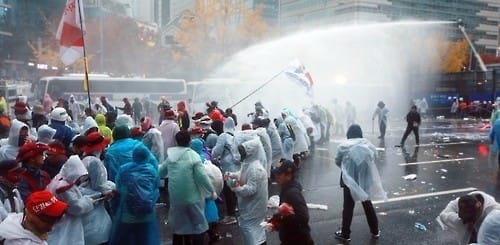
[381, 113]
[360, 180]
[413, 120]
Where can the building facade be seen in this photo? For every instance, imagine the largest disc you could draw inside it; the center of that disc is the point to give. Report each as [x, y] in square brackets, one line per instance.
[481, 17]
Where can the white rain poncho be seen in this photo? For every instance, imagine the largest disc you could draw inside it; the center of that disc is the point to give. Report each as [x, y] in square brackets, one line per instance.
[154, 142]
[266, 144]
[306, 120]
[301, 138]
[276, 146]
[97, 223]
[489, 232]
[252, 194]
[5, 205]
[69, 230]
[356, 157]
[448, 218]
[13, 231]
[222, 149]
[10, 150]
[88, 124]
[287, 141]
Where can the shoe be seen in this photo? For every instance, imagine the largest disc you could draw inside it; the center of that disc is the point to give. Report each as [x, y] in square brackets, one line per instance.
[376, 236]
[343, 237]
[228, 220]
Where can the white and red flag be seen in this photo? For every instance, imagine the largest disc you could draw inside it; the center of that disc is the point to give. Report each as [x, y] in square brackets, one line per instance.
[70, 32]
[297, 72]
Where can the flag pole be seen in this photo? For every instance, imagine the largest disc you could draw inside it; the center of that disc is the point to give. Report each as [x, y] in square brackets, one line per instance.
[257, 89]
[86, 85]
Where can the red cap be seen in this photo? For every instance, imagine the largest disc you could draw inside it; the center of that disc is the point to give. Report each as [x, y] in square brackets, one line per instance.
[197, 130]
[44, 203]
[95, 141]
[30, 150]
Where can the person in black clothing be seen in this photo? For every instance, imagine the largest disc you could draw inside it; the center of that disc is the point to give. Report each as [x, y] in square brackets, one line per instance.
[292, 219]
[229, 113]
[137, 110]
[413, 120]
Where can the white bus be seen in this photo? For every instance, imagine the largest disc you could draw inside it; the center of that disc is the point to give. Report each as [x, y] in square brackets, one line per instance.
[115, 89]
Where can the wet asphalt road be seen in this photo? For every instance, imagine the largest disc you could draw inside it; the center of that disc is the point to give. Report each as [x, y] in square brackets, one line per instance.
[453, 159]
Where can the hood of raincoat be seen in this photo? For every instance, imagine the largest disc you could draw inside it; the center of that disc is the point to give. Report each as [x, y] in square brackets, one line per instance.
[253, 148]
[197, 146]
[11, 229]
[72, 169]
[100, 119]
[229, 125]
[121, 132]
[46, 133]
[15, 128]
[141, 154]
[88, 124]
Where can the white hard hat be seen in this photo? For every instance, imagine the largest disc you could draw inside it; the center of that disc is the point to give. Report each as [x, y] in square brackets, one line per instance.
[59, 114]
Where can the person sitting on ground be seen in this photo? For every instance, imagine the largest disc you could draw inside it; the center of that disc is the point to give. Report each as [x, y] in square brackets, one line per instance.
[465, 214]
[41, 213]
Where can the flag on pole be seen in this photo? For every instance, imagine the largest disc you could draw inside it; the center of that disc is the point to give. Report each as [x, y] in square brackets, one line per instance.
[297, 72]
[70, 32]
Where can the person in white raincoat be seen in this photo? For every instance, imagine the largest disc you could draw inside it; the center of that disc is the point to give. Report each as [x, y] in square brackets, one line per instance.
[65, 187]
[359, 179]
[266, 143]
[287, 137]
[42, 211]
[251, 192]
[464, 215]
[301, 138]
[152, 139]
[15, 140]
[276, 146]
[96, 223]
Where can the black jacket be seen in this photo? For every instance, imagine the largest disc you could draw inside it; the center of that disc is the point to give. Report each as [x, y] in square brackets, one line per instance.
[295, 228]
[412, 117]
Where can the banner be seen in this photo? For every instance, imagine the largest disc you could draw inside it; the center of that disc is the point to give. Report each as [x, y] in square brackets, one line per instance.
[70, 32]
[297, 72]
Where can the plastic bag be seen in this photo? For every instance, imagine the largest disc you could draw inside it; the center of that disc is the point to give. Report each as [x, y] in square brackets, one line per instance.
[215, 176]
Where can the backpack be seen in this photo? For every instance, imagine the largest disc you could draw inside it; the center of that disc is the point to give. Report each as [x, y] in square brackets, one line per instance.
[140, 193]
[290, 130]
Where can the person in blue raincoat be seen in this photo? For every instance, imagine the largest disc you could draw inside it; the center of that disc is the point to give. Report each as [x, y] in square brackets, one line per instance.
[359, 179]
[495, 138]
[287, 136]
[129, 225]
[211, 211]
[251, 189]
[119, 153]
[187, 180]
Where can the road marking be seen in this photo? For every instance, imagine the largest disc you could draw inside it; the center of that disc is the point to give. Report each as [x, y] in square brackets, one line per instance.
[321, 149]
[438, 161]
[449, 143]
[438, 193]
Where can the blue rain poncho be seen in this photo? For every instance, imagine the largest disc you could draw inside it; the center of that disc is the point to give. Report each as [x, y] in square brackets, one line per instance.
[494, 135]
[187, 180]
[252, 194]
[69, 230]
[222, 149]
[211, 211]
[356, 157]
[136, 180]
[97, 223]
[489, 232]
